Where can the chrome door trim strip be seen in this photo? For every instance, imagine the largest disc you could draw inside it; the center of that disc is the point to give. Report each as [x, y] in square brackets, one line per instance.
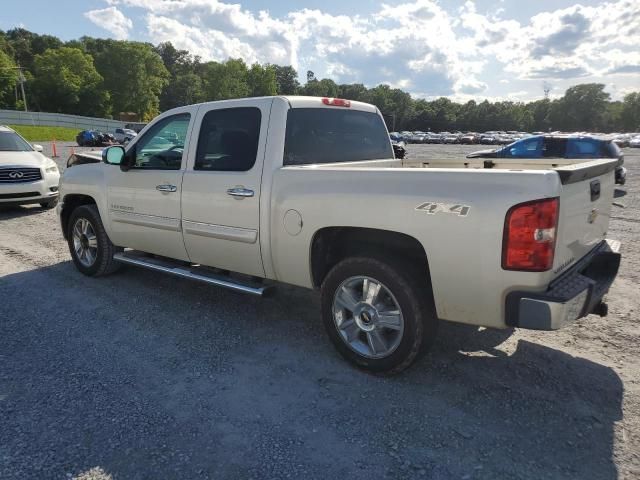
[142, 220]
[222, 232]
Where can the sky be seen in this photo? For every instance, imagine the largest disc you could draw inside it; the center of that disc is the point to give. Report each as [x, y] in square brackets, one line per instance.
[494, 49]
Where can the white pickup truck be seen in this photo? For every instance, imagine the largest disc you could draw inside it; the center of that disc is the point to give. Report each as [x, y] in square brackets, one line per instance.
[246, 193]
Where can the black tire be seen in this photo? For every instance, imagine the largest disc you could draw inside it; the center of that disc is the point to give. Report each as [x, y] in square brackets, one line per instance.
[412, 292]
[104, 263]
[50, 204]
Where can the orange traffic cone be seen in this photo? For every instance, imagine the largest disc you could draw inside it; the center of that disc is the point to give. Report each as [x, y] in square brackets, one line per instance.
[53, 148]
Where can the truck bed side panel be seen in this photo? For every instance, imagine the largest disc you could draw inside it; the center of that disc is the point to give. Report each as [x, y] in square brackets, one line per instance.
[464, 251]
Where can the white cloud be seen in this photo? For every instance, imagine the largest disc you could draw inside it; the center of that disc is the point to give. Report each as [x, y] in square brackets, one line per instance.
[417, 45]
[112, 20]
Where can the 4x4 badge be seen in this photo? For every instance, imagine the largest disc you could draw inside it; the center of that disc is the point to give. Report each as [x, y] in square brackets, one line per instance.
[455, 208]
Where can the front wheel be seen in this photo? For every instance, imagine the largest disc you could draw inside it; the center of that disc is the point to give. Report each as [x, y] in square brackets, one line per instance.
[378, 314]
[91, 250]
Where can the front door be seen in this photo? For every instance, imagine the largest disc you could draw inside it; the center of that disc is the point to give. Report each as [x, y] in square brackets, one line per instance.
[222, 184]
[144, 202]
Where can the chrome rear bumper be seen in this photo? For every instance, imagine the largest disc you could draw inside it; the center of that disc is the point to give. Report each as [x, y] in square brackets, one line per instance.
[575, 294]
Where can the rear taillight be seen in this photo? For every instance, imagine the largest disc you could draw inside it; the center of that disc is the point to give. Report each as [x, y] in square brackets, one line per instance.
[530, 236]
[336, 102]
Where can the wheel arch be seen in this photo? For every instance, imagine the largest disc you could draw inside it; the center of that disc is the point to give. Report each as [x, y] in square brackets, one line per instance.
[70, 203]
[330, 245]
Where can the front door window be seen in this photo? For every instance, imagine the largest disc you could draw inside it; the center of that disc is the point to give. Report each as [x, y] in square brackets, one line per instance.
[161, 148]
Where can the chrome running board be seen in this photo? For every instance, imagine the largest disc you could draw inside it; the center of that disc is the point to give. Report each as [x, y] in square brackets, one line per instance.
[182, 269]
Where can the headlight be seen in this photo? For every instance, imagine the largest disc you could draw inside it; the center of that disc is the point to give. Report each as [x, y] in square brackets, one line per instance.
[51, 169]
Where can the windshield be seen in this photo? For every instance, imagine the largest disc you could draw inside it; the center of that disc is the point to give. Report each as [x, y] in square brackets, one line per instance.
[324, 135]
[12, 142]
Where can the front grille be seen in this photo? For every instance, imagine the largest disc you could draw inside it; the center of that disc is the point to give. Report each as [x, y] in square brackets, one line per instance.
[4, 196]
[19, 175]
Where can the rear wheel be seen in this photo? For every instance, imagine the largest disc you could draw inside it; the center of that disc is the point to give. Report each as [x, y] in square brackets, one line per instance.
[378, 313]
[91, 250]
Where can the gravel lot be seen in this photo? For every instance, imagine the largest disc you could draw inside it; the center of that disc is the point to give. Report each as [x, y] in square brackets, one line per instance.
[139, 376]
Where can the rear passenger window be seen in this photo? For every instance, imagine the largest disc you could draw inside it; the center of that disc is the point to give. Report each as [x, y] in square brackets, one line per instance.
[555, 147]
[228, 140]
[584, 148]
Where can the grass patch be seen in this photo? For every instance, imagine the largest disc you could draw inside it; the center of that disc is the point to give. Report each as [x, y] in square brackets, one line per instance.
[46, 134]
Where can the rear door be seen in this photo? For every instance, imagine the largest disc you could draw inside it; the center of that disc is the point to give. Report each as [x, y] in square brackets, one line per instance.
[221, 187]
[585, 209]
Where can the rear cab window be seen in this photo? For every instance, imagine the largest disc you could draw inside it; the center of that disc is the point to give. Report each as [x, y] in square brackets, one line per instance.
[334, 135]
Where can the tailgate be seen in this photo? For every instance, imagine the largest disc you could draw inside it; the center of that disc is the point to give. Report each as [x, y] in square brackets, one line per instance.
[585, 209]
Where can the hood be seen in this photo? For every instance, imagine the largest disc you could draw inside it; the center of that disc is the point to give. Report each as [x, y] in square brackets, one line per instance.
[81, 158]
[22, 159]
[484, 154]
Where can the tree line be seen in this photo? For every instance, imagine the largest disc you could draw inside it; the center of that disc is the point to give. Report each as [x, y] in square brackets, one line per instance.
[105, 78]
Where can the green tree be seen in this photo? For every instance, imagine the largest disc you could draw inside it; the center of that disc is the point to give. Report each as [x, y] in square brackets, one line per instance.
[286, 80]
[261, 80]
[8, 81]
[225, 80]
[583, 107]
[612, 118]
[66, 81]
[539, 113]
[630, 114]
[354, 91]
[133, 73]
[185, 84]
[20, 41]
[320, 88]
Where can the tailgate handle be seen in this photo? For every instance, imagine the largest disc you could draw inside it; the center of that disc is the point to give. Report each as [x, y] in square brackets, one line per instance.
[595, 190]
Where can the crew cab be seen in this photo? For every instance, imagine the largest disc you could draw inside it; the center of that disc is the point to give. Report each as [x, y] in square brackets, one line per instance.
[247, 193]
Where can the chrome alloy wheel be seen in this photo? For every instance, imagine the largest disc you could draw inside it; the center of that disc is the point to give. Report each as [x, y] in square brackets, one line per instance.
[368, 317]
[85, 243]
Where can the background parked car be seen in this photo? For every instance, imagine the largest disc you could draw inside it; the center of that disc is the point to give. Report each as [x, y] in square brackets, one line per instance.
[399, 149]
[86, 138]
[94, 138]
[124, 135]
[621, 140]
[26, 175]
[562, 146]
[469, 138]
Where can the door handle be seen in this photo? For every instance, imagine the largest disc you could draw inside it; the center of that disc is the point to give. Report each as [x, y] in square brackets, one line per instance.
[166, 188]
[240, 192]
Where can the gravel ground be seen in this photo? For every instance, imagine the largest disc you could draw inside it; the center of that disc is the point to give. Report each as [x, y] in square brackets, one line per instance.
[140, 375]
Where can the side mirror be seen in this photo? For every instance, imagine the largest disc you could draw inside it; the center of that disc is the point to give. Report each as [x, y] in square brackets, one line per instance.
[37, 148]
[113, 155]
